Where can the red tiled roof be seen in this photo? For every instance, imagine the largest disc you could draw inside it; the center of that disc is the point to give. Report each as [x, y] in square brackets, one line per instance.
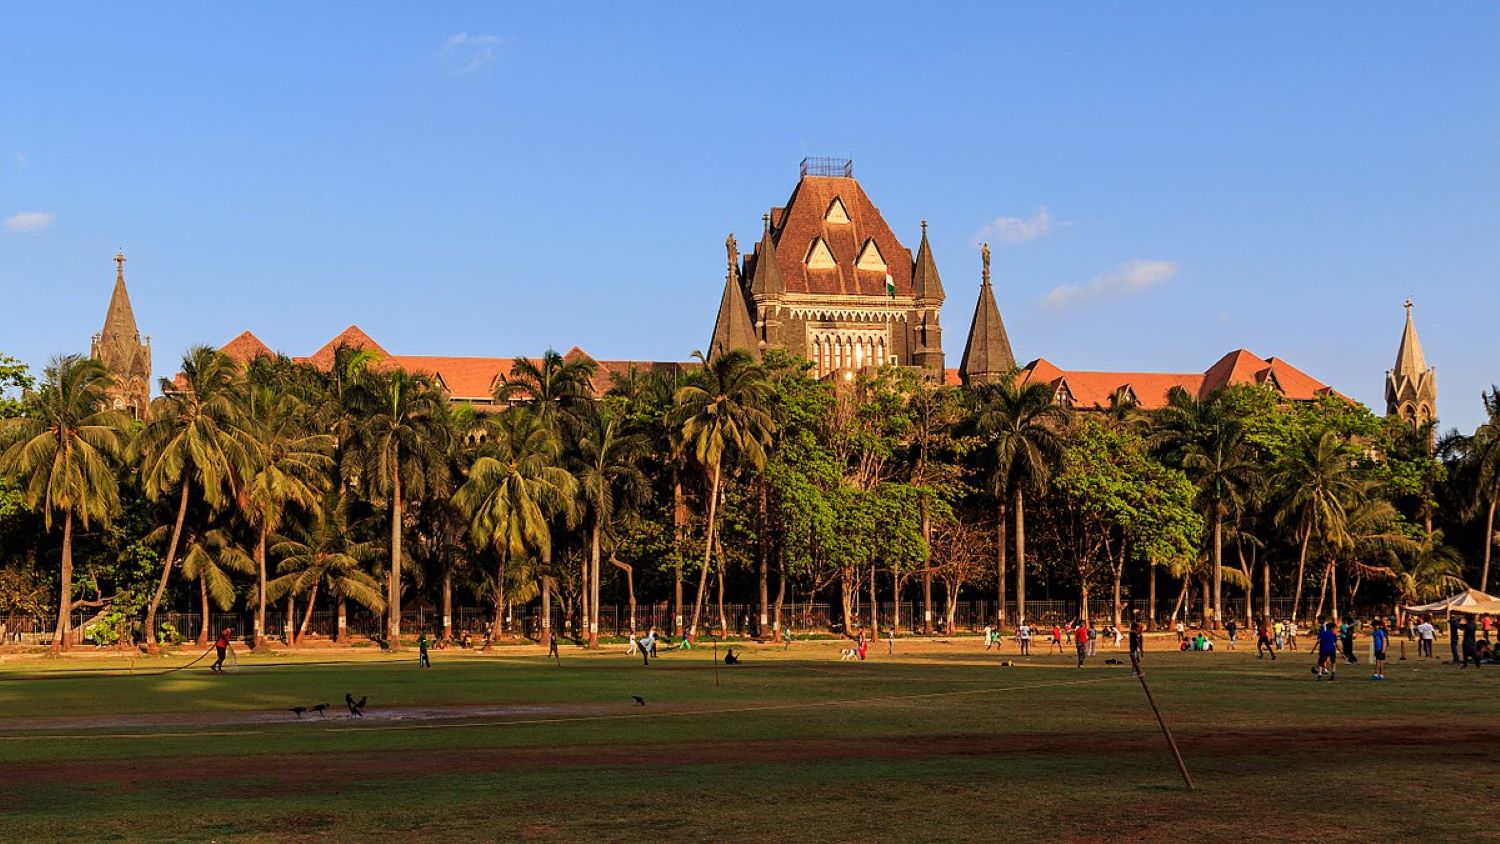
[353, 337]
[801, 222]
[245, 348]
[1091, 389]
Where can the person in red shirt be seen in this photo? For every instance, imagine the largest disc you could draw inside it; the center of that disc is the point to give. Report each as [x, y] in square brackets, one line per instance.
[1057, 637]
[1081, 638]
[223, 646]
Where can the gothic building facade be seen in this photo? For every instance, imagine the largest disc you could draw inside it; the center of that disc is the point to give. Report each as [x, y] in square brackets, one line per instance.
[123, 352]
[830, 281]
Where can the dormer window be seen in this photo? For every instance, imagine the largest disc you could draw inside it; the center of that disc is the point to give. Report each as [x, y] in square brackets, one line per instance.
[870, 257]
[819, 256]
[836, 212]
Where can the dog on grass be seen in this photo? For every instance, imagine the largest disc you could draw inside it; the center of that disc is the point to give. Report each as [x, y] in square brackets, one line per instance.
[847, 654]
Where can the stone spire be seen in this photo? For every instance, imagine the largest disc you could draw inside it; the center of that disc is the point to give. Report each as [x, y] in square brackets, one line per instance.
[925, 282]
[1411, 386]
[987, 354]
[119, 347]
[733, 328]
[767, 278]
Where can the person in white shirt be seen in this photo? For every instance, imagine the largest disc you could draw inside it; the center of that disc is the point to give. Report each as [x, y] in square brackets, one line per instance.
[1024, 634]
[1425, 634]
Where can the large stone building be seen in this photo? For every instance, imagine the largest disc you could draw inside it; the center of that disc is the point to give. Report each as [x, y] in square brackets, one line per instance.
[1411, 387]
[830, 281]
[121, 349]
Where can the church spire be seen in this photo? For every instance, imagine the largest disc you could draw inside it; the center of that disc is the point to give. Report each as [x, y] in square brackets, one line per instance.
[987, 354]
[119, 347]
[119, 320]
[1411, 386]
[766, 280]
[733, 328]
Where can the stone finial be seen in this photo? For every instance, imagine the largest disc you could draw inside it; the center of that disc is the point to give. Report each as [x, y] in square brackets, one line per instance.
[733, 250]
[984, 251]
[120, 264]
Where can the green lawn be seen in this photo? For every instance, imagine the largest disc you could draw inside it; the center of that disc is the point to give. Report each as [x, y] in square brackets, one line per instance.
[938, 743]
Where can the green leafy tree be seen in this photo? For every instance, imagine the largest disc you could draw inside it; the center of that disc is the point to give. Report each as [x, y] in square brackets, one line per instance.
[1318, 483]
[61, 456]
[322, 554]
[1484, 448]
[209, 559]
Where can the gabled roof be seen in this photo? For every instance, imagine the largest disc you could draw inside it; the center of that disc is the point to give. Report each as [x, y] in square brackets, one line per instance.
[246, 347]
[1094, 389]
[802, 221]
[353, 337]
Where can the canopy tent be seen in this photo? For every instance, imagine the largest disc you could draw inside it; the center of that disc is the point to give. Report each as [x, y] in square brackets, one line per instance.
[1490, 607]
[1468, 597]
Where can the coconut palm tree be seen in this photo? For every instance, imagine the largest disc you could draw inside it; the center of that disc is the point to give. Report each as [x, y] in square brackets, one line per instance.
[1206, 439]
[1434, 570]
[510, 491]
[61, 456]
[323, 555]
[722, 412]
[194, 443]
[1318, 482]
[398, 454]
[1021, 430]
[208, 559]
[607, 470]
[558, 390]
[292, 468]
[1369, 537]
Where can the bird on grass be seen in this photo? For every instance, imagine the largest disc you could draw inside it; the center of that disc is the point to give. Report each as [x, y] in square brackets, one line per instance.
[319, 709]
[356, 710]
[298, 710]
[639, 701]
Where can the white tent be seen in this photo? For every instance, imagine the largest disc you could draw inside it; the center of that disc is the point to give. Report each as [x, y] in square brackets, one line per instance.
[1468, 597]
[1490, 607]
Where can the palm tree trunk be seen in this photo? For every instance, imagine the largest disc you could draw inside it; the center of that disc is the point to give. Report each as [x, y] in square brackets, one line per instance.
[312, 600]
[594, 585]
[927, 570]
[708, 547]
[289, 621]
[498, 626]
[203, 628]
[448, 603]
[723, 622]
[1119, 574]
[1218, 569]
[260, 610]
[780, 598]
[1301, 569]
[629, 585]
[874, 605]
[1265, 575]
[1000, 561]
[343, 627]
[393, 579]
[1489, 542]
[846, 590]
[63, 638]
[1151, 598]
[166, 570]
[762, 548]
[1333, 589]
[679, 523]
[1020, 556]
[546, 630]
[1323, 590]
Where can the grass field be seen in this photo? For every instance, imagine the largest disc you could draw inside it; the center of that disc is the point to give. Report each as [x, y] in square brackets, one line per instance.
[938, 743]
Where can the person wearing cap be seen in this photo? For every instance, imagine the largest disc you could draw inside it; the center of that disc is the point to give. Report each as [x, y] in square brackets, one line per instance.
[222, 645]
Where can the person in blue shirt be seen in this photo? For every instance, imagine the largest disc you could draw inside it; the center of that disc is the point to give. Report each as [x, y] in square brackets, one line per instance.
[1328, 652]
[1378, 638]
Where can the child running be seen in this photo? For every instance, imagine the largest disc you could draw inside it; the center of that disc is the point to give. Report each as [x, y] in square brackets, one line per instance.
[989, 637]
[1263, 643]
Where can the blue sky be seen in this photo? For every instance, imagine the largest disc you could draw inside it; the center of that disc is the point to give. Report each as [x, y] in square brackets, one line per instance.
[1162, 183]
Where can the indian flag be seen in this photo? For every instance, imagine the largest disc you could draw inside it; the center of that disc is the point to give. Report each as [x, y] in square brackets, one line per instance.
[890, 286]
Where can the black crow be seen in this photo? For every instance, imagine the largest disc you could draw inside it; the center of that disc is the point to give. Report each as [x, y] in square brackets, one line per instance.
[298, 709]
[355, 709]
[639, 701]
[319, 709]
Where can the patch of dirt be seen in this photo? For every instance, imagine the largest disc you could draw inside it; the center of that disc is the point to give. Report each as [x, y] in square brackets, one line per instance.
[297, 772]
[336, 713]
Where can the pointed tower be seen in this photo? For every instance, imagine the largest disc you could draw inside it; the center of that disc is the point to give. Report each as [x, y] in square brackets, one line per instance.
[987, 354]
[1411, 387]
[927, 289]
[733, 329]
[767, 289]
[120, 348]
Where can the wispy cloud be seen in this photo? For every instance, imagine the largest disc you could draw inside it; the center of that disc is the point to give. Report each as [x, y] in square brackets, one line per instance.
[22, 160]
[465, 53]
[1128, 278]
[29, 221]
[1017, 229]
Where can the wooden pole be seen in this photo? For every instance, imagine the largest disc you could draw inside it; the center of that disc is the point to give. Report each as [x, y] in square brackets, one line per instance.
[1171, 743]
